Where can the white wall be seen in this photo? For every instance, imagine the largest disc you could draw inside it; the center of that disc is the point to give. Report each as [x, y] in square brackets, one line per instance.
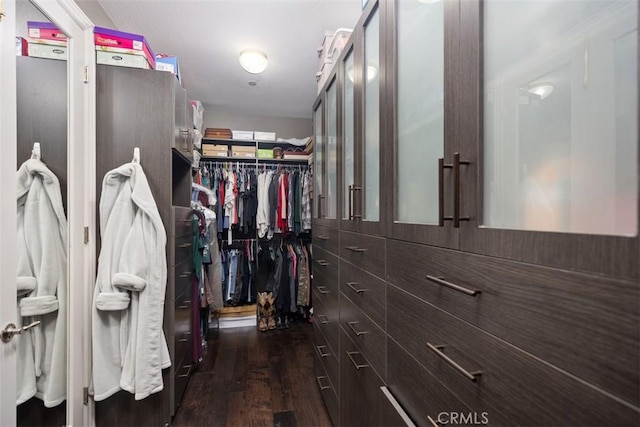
[284, 127]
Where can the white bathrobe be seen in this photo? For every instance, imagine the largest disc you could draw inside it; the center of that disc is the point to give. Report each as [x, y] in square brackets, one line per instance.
[129, 346]
[42, 286]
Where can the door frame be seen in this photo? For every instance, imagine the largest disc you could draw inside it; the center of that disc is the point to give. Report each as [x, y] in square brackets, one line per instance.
[71, 20]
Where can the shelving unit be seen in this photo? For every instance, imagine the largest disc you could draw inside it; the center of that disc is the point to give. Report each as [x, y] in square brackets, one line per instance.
[251, 143]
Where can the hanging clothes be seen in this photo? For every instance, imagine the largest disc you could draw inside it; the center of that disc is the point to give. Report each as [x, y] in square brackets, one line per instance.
[129, 346]
[42, 285]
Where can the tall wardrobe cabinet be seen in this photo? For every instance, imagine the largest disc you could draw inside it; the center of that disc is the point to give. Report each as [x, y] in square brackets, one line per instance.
[150, 110]
[484, 257]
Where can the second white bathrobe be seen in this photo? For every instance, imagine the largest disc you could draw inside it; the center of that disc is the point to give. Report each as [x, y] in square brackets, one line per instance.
[129, 346]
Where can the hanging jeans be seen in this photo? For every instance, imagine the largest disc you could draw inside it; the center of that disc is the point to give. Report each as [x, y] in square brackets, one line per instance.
[233, 272]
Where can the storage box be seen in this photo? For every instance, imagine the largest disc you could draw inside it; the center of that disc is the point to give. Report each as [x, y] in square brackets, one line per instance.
[242, 134]
[265, 153]
[45, 30]
[168, 63]
[22, 47]
[142, 53]
[120, 39]
[47, 51]
[198, 114]
[122, 60]
[264, 136]
[217, 133]
[215, 150]
[243, 152]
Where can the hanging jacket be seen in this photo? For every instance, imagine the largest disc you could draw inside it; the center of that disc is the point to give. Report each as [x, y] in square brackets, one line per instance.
[42, 286]
[129, 346]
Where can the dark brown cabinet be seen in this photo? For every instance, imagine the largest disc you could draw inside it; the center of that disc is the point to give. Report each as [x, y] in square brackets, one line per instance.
[149, 110]
[500, 281]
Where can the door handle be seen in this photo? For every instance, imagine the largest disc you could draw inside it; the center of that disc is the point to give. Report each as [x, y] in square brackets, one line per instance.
[456, 188]
[441, 217]
[10, 330]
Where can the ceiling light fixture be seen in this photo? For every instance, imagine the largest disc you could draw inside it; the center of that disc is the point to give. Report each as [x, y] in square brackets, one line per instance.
[542, 89]
[253, 61]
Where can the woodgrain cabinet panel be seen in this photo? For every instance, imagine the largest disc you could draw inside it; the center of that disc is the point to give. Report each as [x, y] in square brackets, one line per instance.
[328, 357]
[365, 290]
[326, 238]
[490, 375]
[545, 311]
[365, 251]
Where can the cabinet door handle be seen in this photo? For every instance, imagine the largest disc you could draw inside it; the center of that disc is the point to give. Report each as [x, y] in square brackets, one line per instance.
[441, 281]
[323, 262]
[357, 366]
[355, 249]
[456, 190]
[433, 422]
[354, 190]
[322, 387]
[437, 349]
[352, 326]
[321, 353]
[350, 202]
[323, 290]
[441, 217]
[351, 285]
[184, 245]
[188, 368]
[325, 321]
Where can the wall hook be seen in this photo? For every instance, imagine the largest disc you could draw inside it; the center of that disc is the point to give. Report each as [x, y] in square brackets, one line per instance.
[136, 155]
[35, 153]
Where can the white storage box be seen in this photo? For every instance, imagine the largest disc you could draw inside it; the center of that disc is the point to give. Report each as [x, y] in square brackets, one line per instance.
[198, 114]
[122, 60]
[47, 51]
[265, 136]
[242, 134]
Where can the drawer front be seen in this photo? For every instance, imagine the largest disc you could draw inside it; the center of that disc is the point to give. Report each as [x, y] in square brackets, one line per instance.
[183, 373]
[360, 386]
[327, 391]
[365, 290]
[326, 238]
[326, 265]
[183, 347]
[367, 336]
[367, 252]
[327, 289]
[552, 314]
[183, 249]
[419, 393]
[327, 356]
[513, 387]
[181, 221]
[327, 319]
[183, 276]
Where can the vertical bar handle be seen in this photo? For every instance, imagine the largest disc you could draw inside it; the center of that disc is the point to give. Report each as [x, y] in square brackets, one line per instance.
[350, 202]
[441, 217]
[359, 216]
[456, 190]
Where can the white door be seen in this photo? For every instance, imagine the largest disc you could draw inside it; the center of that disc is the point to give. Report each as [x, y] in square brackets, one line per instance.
[8, 208]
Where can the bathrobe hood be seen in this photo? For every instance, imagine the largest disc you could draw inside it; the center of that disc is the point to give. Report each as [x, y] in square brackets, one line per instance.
[129, 346]
[42, 285]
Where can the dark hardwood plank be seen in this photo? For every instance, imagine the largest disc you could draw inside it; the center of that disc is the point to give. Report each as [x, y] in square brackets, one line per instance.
[236, 410]
[258, 401]
[284, 419]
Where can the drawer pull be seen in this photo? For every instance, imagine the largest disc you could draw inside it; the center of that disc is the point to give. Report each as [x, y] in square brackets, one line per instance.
[441, 281]
[357, 366]
[183, 340]
[323, 237]
[322, 387]
[325, 321]
[185, 245]
[185, 305]
[323, 262]
[352, 325]
[472, 376]
[352, 285]
[186, 220]
[188, 368]
[185, 274]
[433, 422]
[356, 249]
[320, 353]
[323, 290]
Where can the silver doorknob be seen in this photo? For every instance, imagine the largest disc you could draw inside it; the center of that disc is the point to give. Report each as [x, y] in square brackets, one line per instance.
[10, 330]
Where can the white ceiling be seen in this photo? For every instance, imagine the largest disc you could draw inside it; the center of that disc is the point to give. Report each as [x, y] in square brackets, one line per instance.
[207, 36]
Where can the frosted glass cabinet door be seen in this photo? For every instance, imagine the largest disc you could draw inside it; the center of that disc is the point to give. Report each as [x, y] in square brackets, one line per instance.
[348, 153]
[371, 211]
[557, 133]
[332, 153]
[420, 109]
[318, 163]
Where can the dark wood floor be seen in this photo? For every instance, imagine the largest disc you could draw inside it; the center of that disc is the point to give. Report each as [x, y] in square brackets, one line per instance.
[252, 378]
